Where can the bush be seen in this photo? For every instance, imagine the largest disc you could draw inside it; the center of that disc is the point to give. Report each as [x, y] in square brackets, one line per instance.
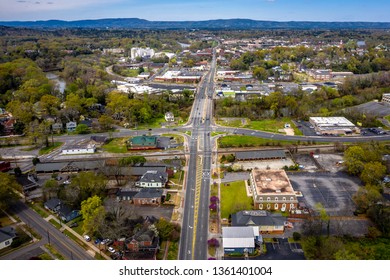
[296, 236]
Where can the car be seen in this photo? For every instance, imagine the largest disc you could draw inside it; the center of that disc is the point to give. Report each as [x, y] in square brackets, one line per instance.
[111, 250]
[106, 241]
[87, 238]
[72, 225]
[59, 178]
[67, 182]
[98, 241]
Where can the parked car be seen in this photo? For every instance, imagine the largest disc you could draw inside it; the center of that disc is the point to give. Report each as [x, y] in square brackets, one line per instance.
[111, 250]
[87, 238]
[98, 241]
[72, 225]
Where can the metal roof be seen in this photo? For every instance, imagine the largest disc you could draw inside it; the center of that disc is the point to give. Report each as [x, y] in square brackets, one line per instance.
[239, 237]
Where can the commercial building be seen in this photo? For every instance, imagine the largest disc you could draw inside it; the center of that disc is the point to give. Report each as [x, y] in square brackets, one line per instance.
[267, 222]
[79, 149]
[333, 125]
[240, 239]
[386, 98]
[272, 190]
[260, 155]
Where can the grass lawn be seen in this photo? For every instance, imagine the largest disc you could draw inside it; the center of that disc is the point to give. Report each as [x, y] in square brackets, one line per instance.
[116, 145]
[273, 125]
[54, 252]
[47, 150]
[236, 122]
[55, 223]
[173, 251]
[249, 141]
[214, 190]
[178, 177]
[156, 123]
[234, 198]
[38, 207]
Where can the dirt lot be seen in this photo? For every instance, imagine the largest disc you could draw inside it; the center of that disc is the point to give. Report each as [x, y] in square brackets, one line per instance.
[328, 162]
[306, 161]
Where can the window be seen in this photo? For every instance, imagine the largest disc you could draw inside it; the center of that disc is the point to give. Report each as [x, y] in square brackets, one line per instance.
[7, 243]
[268, 199]
[276, 199]
[291, 199]
[268, 206]
[292, 206]
[261, 199]
[276, 206]
[284, 199]
[261, 206]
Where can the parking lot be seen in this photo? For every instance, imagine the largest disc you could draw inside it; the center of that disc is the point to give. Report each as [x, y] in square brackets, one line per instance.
[333, 190]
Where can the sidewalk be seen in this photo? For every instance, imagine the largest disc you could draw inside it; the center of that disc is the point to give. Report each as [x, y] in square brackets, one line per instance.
[89, 244]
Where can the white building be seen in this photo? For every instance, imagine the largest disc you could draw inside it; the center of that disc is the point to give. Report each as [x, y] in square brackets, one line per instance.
[169, 117]
[7, 234]
[333, 125]
[79, 149]
[386, 98]
[141, 52]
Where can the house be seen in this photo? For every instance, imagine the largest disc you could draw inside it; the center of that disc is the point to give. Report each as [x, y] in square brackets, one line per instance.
[386, 98]
[240, 239]
[148, 196]
[56, 127]
[153, 179]
[142, 245]
[169, 117]
[7, 234]
[71, 126]
[267, 222]
[125, 194]
[272, 190]
[67, 214]
[142, 143]
[53, 204]
[87, 122]
[79, 149]
[320, 74]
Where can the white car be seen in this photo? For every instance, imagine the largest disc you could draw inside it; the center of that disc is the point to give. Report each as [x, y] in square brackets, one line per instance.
[87, 238]
[111, 250]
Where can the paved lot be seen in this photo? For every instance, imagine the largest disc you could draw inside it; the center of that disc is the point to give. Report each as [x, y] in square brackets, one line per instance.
[328, 162]
[377, 109]
[333, 190]
[264, 164]
[307, 161]
[235, 176]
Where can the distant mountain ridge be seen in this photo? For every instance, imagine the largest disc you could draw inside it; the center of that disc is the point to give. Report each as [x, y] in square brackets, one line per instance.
[137, 23]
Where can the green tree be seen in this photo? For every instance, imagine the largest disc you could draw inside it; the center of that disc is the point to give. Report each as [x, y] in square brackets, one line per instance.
[106, 122]
[354, 157]
[8, 188]
[93, 213]
[373, 172]
[260, 73]
[82, 129]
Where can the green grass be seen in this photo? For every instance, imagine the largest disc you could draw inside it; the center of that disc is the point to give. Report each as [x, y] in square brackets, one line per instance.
[156, 123]
[54, 252]
[231, 122]
[213, 190]
[250, 141]
[47, 150]
[75, 238]
[55, 223]
[173, 251]
[116, 145]
[234, 198]
[45, 256]
[178, 177]
[38, 207]
[217, 133]
[273, 125]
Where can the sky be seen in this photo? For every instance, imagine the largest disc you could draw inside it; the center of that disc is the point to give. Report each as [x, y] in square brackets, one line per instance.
[178, 10]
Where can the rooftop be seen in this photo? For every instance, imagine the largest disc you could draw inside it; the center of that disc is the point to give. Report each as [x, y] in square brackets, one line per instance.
[272, 182]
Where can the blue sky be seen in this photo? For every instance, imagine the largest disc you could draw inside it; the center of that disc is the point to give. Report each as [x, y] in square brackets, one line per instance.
[279, 10]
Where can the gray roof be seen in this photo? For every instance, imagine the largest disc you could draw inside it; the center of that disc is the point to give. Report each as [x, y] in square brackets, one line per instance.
[7, 233]
[53, 203]
[154, 176]
[149, 193]
[238, 232]
[79, 165]
[141, 170]
[257, 218]
[126, 193]
[266, 154]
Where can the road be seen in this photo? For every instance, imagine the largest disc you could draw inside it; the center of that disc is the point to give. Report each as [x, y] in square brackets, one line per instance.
[63, 244]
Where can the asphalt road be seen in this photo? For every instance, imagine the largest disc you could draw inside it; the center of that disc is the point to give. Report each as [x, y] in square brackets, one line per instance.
[63, 244]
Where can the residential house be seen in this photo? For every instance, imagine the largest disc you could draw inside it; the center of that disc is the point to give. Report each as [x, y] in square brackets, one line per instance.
[56, 127]
[125, 194]
[143, 245]
[240, 239]
[267, 222]
[71, 126]
[169, 117]
[148, 196]
[87, 122]
[320, 74]
[272, 190]
[53, 204]
[7, 234]
[67, 214]
[153, 179]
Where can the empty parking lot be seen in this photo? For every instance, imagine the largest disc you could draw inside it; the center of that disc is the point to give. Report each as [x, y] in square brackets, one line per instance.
[333, 190]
